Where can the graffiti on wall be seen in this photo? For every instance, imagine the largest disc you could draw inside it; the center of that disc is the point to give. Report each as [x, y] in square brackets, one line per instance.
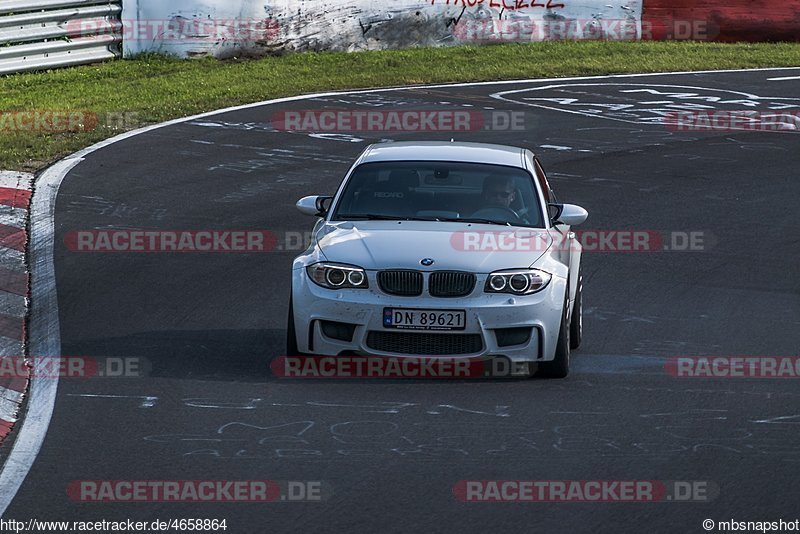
[224, 28]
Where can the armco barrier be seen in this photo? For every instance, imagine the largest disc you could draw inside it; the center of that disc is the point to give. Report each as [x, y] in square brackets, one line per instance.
[39, 34]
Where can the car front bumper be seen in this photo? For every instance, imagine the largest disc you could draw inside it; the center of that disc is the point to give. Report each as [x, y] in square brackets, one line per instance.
[488, 318]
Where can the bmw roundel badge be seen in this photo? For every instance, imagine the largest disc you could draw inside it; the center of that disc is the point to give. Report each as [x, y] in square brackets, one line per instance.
[427, 262]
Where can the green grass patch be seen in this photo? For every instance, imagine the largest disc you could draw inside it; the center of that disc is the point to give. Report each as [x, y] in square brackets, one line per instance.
[155, 88]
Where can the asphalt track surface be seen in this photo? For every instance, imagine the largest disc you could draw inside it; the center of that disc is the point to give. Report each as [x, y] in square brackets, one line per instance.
[392, 451]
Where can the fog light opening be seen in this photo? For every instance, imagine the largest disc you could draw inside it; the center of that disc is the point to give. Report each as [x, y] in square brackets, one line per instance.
[507, 337]
[338, 331]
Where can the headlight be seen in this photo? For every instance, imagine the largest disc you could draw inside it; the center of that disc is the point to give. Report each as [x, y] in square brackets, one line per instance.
[337, 276]
[517, 282]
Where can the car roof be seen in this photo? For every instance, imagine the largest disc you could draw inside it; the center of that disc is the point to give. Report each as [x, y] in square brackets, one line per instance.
[445, 151]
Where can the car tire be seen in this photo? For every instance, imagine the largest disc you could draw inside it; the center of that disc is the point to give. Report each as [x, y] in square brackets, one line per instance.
[291, 334]
[576, 321]
[559, 366]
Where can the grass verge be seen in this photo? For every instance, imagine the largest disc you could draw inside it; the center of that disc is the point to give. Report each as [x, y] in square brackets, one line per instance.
[156, 88]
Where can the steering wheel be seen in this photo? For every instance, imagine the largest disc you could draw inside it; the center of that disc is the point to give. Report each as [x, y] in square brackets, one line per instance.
[498, 212]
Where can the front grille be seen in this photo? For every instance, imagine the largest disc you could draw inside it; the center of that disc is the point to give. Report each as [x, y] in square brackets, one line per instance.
[424, 344]
[451, 284]
[402, 283]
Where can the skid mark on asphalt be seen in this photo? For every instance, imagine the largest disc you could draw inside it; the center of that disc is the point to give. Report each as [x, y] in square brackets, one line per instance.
[109, 208]
[782, 420]
[333, 429]
[266, 127]
[145, 401]
[574, 433]
[601, 314]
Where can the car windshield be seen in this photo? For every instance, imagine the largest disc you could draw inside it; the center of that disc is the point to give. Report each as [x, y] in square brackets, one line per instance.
[440, 191]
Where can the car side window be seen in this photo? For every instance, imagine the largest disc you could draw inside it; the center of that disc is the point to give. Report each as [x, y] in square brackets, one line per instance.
[549, 195]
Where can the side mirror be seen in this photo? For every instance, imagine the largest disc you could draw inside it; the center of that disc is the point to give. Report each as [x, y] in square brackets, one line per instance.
[313, 205]
[553, 211]
[568, 214]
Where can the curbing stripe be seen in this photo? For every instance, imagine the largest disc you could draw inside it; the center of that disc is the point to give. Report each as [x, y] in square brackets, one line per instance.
[15, 195]
[13, 281]
[15, 385]
[13, 305]
[10, 401]
[13, 237]
[9, 256]
[16, 198]
[12, 327]
[16, 180]
[16, 217]
[10, 348]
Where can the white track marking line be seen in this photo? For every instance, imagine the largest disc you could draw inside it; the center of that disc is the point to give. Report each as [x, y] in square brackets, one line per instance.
[44, 324]
[531, 102]
[784, 78]
[43, 334]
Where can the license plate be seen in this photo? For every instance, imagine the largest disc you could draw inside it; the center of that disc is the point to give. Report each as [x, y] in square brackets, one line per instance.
[412, 319]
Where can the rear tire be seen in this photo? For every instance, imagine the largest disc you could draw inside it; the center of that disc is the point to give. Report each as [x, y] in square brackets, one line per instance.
[576, 322]
[559, 367]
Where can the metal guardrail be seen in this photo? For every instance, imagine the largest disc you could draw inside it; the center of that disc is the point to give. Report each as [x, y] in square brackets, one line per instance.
[41, 34]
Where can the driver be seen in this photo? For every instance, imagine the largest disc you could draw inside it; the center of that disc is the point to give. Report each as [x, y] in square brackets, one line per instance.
[498, 194]
[499, 191]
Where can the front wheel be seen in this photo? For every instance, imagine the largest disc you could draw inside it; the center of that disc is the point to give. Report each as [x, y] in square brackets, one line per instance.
[559, 367]
[576, 322]
[291, 335]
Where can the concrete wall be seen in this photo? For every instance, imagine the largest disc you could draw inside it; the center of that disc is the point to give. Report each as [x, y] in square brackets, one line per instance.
[228, 27]
[225, 28]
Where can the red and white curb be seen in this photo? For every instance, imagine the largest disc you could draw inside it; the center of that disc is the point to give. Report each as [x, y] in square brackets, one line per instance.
[15, 196]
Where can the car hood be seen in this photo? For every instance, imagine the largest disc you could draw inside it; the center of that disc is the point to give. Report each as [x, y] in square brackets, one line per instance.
[480, 248]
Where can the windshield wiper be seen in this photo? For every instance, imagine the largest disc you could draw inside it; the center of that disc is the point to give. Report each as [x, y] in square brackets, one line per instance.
[473, 220]
[371, 217]
[381, 217]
